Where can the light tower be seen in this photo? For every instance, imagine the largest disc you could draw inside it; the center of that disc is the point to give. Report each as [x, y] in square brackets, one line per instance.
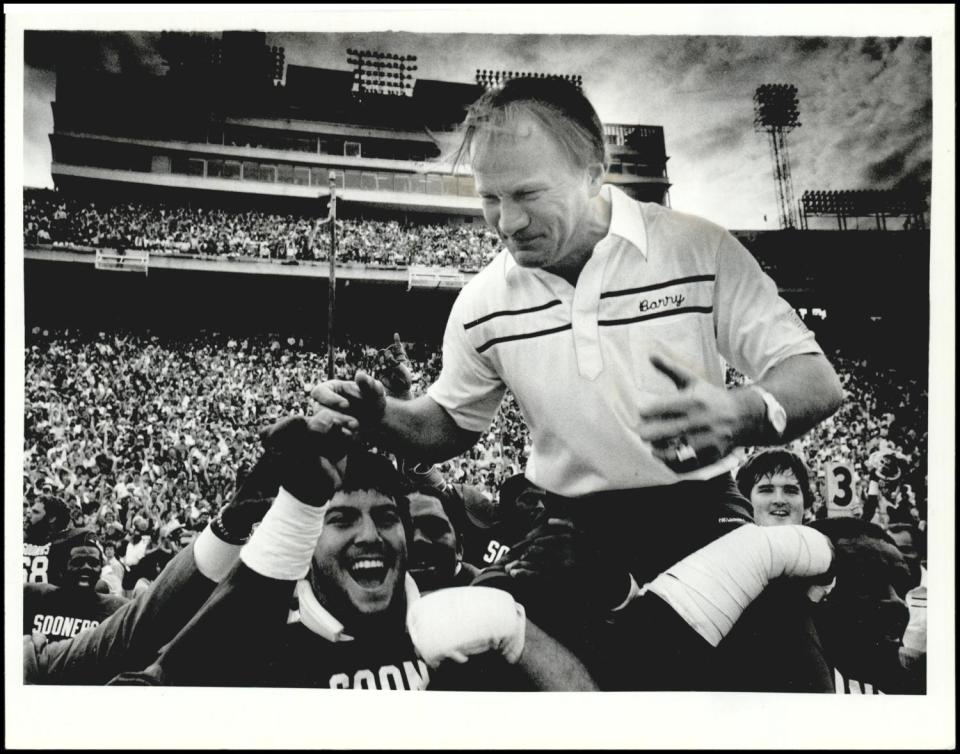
[378, 72]
[776, 113]
[489, 79]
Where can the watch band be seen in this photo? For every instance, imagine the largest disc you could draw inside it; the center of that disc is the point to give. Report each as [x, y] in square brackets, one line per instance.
[775, 413]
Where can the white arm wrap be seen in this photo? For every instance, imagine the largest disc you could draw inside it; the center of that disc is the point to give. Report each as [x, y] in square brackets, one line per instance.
[282, 545]
[712, 587]
[213, 556]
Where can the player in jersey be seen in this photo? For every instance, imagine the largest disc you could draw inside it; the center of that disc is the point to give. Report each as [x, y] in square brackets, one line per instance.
[336, 542]
[436, 551]
[862, 620]
[130, 639]
[61, 612]
[859, 626]
[47, 537]
[335, 539]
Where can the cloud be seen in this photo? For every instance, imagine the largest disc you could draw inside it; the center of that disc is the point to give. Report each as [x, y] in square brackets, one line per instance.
[865, 103]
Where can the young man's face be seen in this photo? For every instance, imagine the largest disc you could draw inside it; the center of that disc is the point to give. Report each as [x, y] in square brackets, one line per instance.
[433, 548]
[83, 567]
[360, 557]
[534, 198]
[777, 499]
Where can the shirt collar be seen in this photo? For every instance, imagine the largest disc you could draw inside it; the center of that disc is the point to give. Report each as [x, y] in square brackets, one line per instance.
[318, 619]
[626, 222]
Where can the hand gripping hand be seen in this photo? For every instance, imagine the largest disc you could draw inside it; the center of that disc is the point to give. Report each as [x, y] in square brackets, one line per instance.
[458, 622]
[356, 405]
[303, 452]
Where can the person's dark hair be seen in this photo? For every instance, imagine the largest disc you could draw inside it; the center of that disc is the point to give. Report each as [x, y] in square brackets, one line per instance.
[86, 539]
[559, 106]
[774, 461]
[368, 471]
[452, 508]
[850, 527]
[57, 510]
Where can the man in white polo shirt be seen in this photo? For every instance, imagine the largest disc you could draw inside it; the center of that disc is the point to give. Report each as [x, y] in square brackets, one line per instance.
[608, 320]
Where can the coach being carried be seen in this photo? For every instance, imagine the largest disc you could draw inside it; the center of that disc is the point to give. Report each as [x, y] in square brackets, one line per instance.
[609, 320]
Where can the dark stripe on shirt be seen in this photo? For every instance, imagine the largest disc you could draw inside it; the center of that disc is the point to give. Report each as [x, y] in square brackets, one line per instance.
[510, 313]
[523, 336]
[667, 313]
[655, 286]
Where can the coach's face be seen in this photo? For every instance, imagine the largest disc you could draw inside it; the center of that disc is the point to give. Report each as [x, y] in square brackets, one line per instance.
[360, 557]
[533, 196]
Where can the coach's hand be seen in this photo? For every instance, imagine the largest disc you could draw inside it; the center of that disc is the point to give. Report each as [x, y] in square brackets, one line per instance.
[699, 425]
[458, 622]
[306, 452]
[356, 405]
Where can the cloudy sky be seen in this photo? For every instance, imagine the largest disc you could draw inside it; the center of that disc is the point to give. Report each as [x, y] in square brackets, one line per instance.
[865, 102]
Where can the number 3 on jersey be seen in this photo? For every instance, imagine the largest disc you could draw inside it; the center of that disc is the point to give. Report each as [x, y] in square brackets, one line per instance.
[841, 495]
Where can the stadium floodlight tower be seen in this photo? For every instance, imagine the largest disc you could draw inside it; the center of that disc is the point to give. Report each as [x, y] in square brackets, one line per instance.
[776, 113]
[378, 72]
[496, 79]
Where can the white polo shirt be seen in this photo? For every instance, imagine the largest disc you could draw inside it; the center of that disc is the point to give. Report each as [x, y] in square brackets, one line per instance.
[577, 357]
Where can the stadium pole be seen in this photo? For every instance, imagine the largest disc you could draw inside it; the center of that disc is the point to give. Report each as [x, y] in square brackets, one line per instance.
[332, 282]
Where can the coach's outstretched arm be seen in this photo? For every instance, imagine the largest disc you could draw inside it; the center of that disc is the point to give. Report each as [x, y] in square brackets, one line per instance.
[418, 428]
[713, 420]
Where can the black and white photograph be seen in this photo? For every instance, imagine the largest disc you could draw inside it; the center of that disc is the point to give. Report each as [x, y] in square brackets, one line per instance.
[582, 349]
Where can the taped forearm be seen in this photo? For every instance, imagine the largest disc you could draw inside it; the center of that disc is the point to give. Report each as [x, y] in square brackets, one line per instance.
[712, 587]
[213, 556]
[283, 544]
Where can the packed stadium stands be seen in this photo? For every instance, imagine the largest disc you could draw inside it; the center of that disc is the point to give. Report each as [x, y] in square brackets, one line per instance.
[61, 220]
[169, 422]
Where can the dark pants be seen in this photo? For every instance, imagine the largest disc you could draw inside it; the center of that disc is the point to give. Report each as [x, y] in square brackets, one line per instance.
[647, 646]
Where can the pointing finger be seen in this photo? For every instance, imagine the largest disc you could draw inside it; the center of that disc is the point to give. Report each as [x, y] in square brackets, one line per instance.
[680, 376]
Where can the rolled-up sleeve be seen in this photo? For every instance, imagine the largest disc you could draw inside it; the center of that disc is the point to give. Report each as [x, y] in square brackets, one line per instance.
[468, 388]
[756, 328]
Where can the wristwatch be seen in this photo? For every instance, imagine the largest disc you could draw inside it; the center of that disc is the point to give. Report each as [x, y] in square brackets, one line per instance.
[776, 415]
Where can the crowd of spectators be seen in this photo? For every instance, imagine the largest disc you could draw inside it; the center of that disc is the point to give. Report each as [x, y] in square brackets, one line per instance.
[53, 218]
[132, 427]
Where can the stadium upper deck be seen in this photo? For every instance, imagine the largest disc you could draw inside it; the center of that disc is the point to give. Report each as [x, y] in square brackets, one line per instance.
[230, 117]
